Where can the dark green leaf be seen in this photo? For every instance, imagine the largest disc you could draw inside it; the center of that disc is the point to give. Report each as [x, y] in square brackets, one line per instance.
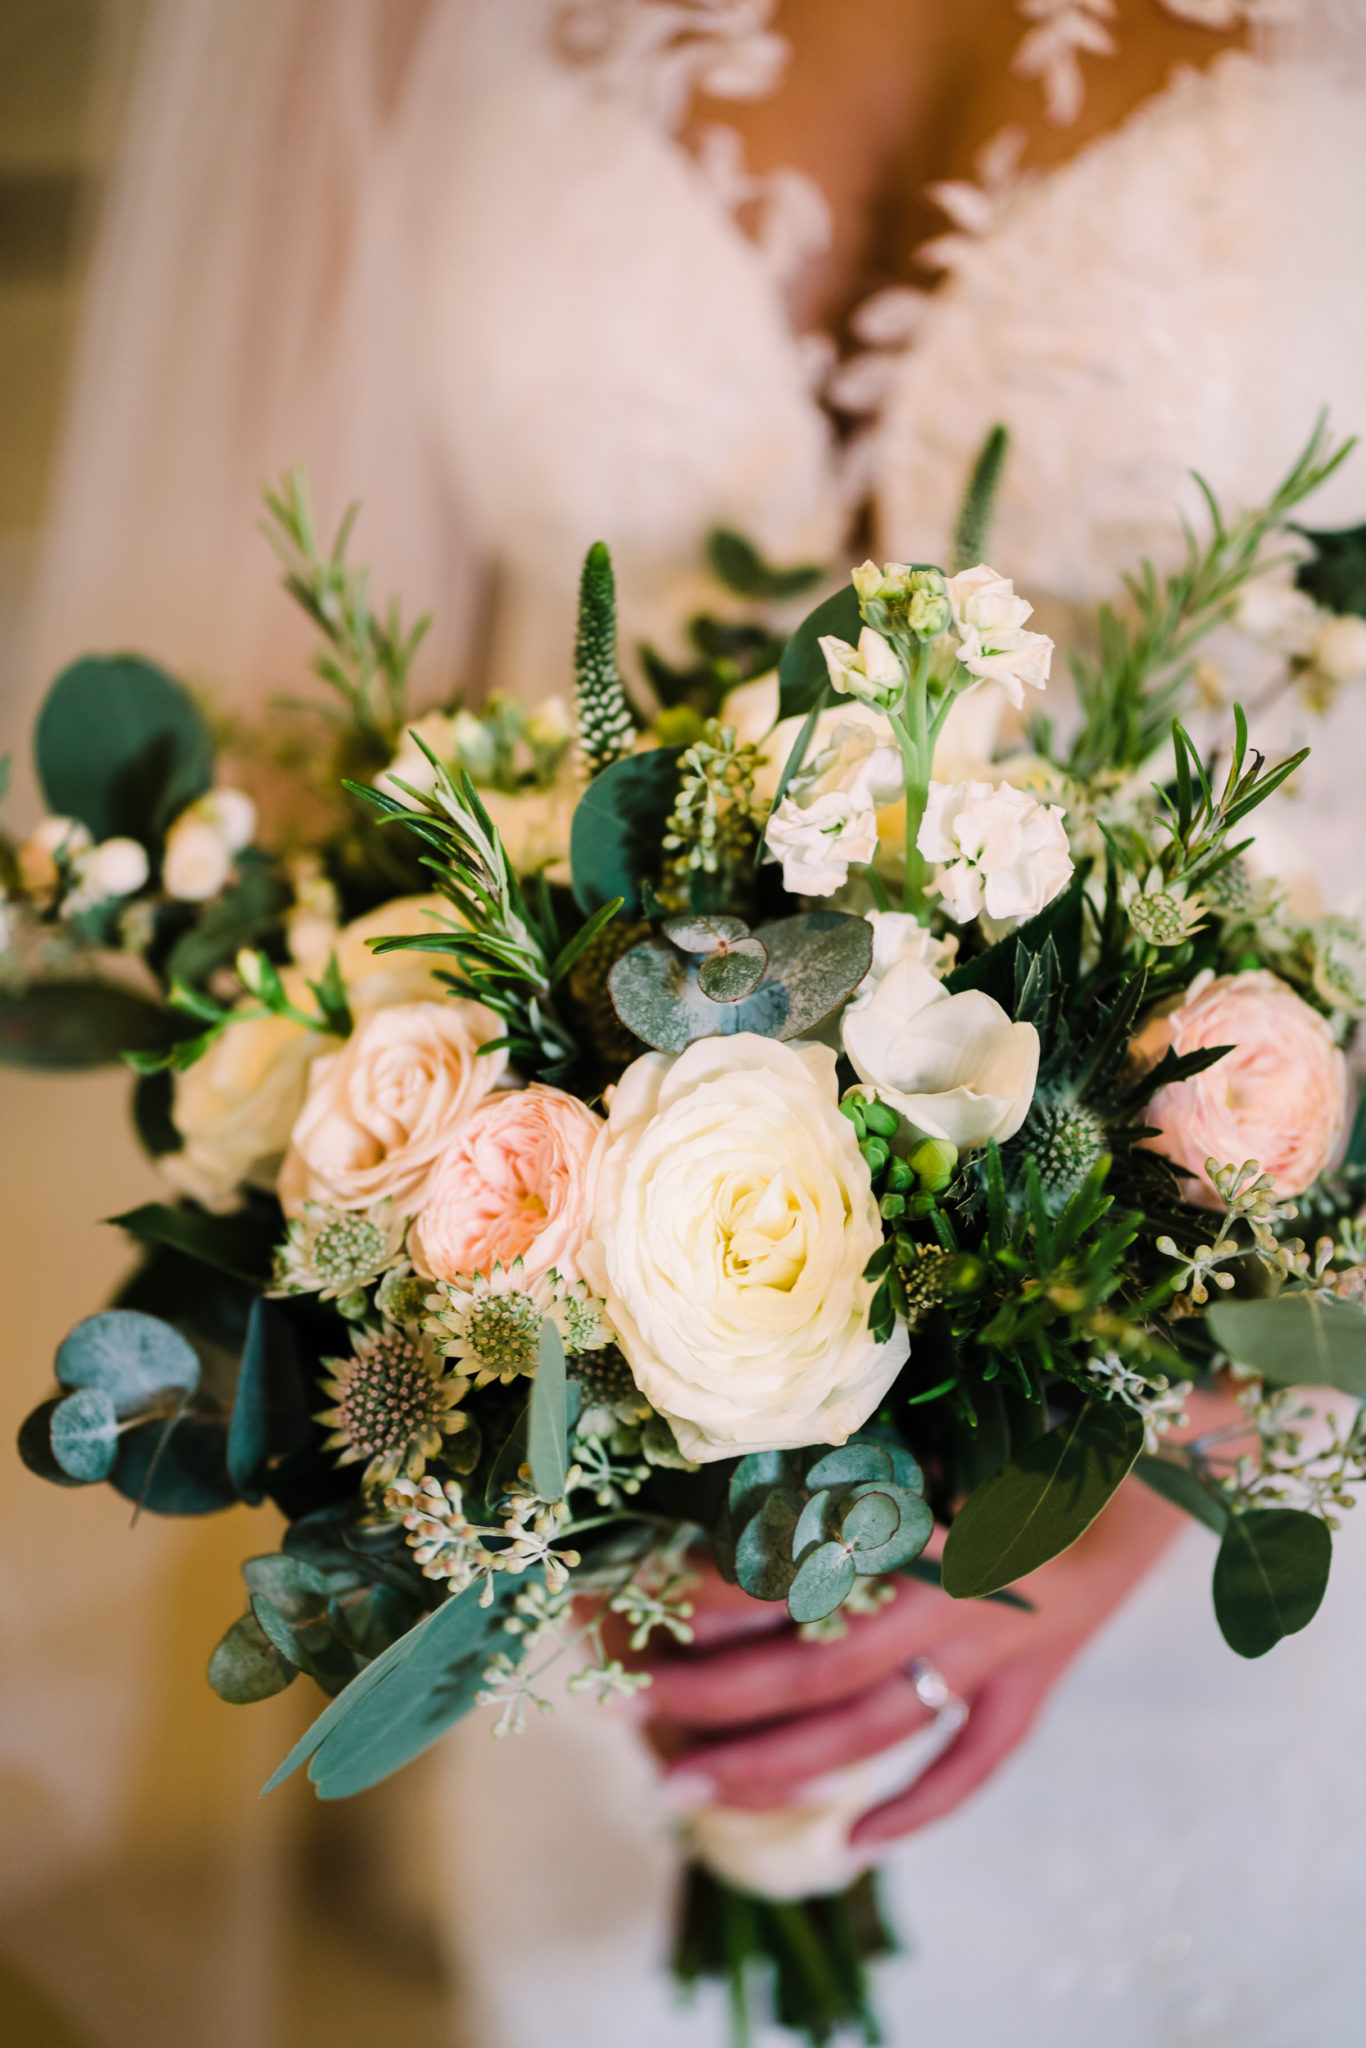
[64, 1025]
[244, 915]
[1299, 1338]
[738, 564]
[1336, 575]
[726, 977]
[763, 1553]
[246, 1666]
[1269, 1577]
[823, 1579]
[1042, 1501]
[240, 1245]
[995, 970]
[175, 1468]
[122, 746]
[248, 1426]
[547, 1421]
[299, 1589]
[85, 1434]
[1179, 1484]
[803, 678]
[618, 823]
[133, 1357]
[752, 1479]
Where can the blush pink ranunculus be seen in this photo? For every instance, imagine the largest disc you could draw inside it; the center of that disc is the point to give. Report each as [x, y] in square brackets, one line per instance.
[510, 1185]
[1279, 1097]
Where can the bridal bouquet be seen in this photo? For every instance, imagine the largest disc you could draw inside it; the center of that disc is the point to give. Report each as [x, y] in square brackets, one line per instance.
[763, 1132]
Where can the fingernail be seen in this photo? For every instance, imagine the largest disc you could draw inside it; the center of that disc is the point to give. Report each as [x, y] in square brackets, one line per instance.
[685, 1792]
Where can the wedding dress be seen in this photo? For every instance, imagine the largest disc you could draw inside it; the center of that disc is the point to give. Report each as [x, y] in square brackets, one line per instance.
[560, 332]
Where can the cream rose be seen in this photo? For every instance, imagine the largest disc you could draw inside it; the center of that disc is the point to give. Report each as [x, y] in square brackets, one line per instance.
[954, 1066]
[732, 1216]
[513, 1184]
[380, 1112]
[1279, 1097]
[236, 1106]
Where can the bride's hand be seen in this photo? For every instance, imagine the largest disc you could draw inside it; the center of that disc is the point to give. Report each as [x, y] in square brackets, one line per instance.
[751, 1713]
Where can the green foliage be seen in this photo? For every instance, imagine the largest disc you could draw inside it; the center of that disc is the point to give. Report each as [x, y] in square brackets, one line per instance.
[1042, 1501]
[1178, 1481]
[1001, 970]
[365, 659]
[618, 823]
[399, 1704]
[246, 1666]
[972, 534]
[1270, 1577]
[605, 719]
[1145, 663]
[84, 1433]
[64, 1026]
[805, 1525]
[1299, 1338]
[738, 564]
[803, 678]
[548, 1416]
[122, 746]
[34, 1444]
[241, 1244]
[812, 962]
[135, 1359]
[248, 913]
[327, 1614]
[1335, 575]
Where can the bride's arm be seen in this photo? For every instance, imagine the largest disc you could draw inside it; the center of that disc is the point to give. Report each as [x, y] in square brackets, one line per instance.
[747, 1718]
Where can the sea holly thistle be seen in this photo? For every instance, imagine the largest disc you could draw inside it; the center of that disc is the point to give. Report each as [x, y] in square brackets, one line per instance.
[338, 1253]
[393, 1404]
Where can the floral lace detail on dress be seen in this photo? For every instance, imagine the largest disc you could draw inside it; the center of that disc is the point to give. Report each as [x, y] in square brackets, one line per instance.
[1065, 31]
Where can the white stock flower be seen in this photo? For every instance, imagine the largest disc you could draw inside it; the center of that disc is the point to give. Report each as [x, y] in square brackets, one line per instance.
[1338, 648]
[954, 1066]
[871, 671]
[992, 640]
[52, 840]
[732, 1216]
[898, 936]
[829, 816]
[998, 849]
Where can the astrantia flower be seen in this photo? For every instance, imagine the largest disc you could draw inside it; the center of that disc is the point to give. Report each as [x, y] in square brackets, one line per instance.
[992, 640]
[1000, 851]
[1162, 916]
[334, 1252]
[492, 1323]
[393, 1404]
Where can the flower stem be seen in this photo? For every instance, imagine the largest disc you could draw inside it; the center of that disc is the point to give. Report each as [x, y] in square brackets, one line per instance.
[912, 729]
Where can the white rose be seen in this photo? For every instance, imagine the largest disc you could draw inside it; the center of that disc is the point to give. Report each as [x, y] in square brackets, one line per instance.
[380, 1112]
[1339, 648]
[54, 836]
[731, 1217]
[116, 867]
[235, 1107]
[1001, 850]
[954, 1066]
[992, 641]
[871, 671]
[829, 817]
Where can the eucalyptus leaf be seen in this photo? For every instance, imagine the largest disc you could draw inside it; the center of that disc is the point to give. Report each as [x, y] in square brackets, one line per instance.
[133, 1357]
[614, 837]
[726, 977]
[371, 1618]
[176, 1466]
[901, 1513]
[248, 1426]
[35, 1445]
[703, 934]
[763, 1552]
[1176, 1482]
[122, 746]
[1270, 1577]
[85, 1434]
[1299, 1338]
[818, 959]
[753, 1477]
[299, 1589]
[803, 678]
[64, 1026]
[824, 1578]
[852, 1463]
[1042, 1501]
[547, 1420]
[811, 1522]
[870, 1521]
[246, 1666]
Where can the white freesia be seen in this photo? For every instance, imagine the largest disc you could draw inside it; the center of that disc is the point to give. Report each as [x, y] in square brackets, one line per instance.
[732, 1215]
[954, 1066]
[999, 849]
[235, 1107]
[871, 671]
[828, 819]
[993, 643]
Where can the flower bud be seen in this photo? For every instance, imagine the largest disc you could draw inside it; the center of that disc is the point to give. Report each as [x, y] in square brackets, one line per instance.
[197, 860]
[116, 867]
[52, 843]
[933, 1163]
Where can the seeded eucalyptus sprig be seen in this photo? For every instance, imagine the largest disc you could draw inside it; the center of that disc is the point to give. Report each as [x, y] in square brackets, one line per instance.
[505, 948]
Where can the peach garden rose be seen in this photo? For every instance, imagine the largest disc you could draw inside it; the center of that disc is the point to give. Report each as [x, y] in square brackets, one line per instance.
[511, 1185]
[1280, 1096]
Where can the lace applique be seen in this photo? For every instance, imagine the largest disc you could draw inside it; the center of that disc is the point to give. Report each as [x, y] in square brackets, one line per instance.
[785, 212]
[1065, 31]
[664, 52]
